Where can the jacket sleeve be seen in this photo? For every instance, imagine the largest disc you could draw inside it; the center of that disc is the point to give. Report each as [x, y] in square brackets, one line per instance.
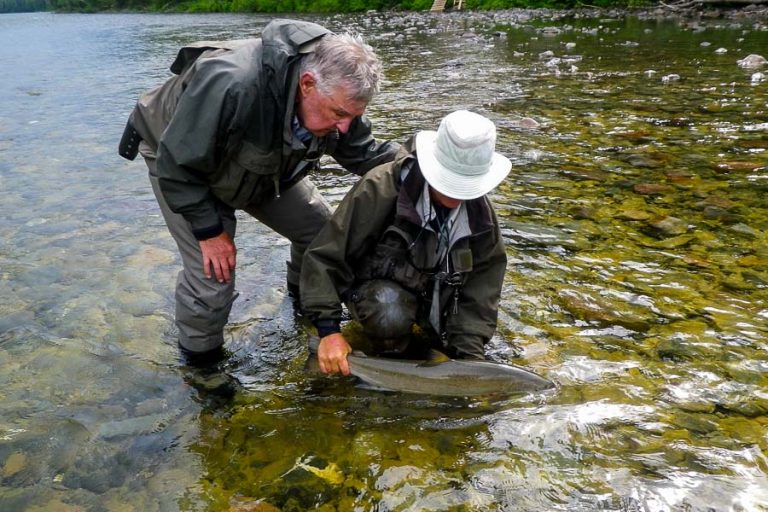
[474, 322]
[190, 149]
[327, 272]
[358, 152]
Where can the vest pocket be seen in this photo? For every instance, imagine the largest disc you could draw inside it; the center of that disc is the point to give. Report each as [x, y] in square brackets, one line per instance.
[248, 177]
[256, 160]
[391, 260]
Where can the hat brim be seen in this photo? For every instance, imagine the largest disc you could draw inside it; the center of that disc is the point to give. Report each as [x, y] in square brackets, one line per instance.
[450, 183]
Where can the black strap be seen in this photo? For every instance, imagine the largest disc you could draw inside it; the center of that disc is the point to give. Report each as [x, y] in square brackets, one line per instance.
[129, 142]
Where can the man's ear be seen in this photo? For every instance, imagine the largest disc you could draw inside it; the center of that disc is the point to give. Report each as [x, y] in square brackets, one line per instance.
[307, 82]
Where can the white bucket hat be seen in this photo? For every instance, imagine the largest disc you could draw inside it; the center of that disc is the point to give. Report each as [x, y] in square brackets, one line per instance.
[458, 160]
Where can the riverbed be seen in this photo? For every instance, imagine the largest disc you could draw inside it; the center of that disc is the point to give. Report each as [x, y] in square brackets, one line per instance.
[636, 230]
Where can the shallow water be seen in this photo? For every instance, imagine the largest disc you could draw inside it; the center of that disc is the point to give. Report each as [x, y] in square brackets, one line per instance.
[635, 223]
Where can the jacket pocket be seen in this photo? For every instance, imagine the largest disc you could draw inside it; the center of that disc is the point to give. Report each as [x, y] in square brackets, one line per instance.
[391, 259]
[256, 160]
[248, 177]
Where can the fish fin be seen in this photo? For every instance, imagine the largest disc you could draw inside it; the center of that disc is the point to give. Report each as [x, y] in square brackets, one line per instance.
[434, 358]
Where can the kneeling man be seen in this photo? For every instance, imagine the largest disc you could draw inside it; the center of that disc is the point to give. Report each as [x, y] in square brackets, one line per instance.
[416, 241]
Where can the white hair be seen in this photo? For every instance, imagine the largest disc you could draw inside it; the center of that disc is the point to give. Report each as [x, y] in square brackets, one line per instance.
[345, 60]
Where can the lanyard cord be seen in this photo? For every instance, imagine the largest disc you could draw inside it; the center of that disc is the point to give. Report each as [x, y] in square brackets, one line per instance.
[443, 232]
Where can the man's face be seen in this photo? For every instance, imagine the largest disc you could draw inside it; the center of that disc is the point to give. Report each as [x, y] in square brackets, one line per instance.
[443, 200]
[321, 114]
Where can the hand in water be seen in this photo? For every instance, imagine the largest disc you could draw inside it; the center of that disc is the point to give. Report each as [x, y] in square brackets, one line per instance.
[332, 354]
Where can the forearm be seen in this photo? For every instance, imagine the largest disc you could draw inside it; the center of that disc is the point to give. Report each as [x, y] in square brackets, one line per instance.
[359, 152]
[320, 279]
[328, 269]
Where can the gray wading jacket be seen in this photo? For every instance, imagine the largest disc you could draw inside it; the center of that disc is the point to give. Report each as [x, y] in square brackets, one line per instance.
[376, 232]
[221, 128]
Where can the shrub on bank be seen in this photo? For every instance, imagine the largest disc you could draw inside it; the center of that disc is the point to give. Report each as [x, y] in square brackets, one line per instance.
[301, 5]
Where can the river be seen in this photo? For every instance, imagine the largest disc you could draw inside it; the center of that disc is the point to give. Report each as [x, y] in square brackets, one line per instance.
[636, 229]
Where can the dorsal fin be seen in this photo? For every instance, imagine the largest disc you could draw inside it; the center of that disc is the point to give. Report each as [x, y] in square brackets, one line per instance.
[434, 358]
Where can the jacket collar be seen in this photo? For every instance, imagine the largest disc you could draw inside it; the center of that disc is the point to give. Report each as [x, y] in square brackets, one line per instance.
[284, 42]
[283, 39]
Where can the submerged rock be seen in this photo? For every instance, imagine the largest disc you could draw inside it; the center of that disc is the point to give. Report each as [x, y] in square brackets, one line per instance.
[752, 61]
[15, 463]
[632, 214]
[584, 173]
[528, 123]
[717, 202]
[606, 310]
[534, 234]
[699, 423]
[671, 243]
[745, 230]
[453, 63]
[242, 504]
[651, 189]
[738, 166]
[643, 161]
[687, 343]
[669, 225]
[40, 453]
[719, 214]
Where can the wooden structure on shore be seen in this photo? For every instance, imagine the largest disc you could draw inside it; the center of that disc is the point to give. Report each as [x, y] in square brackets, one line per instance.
[439, 5]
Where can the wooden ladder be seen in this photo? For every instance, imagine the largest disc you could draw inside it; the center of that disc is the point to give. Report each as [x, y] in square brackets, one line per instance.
[439, 5]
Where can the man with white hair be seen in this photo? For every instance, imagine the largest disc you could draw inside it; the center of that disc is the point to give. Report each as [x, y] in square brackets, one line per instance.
[239, 126]
[416, 241]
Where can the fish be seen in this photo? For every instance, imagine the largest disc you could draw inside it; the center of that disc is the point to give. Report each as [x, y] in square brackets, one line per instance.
[441, 376]
[448, 377]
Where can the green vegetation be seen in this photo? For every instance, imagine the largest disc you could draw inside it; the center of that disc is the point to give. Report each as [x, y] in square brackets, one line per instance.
[24, 5]
[277, 6]
[301, 5]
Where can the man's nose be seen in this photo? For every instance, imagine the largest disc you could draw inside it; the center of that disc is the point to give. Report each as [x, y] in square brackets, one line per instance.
[343, 125]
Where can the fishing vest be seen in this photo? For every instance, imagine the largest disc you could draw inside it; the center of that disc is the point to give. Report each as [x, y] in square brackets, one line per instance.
[403, 251]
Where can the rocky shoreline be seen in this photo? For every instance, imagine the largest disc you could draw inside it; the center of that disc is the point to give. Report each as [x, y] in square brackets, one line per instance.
[683, 10]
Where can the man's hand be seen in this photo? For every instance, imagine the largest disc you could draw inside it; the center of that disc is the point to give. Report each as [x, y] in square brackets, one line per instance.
[219, 253]
[332, 354]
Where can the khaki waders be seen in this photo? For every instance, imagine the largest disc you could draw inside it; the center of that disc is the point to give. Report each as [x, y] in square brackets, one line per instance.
[203, 305]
